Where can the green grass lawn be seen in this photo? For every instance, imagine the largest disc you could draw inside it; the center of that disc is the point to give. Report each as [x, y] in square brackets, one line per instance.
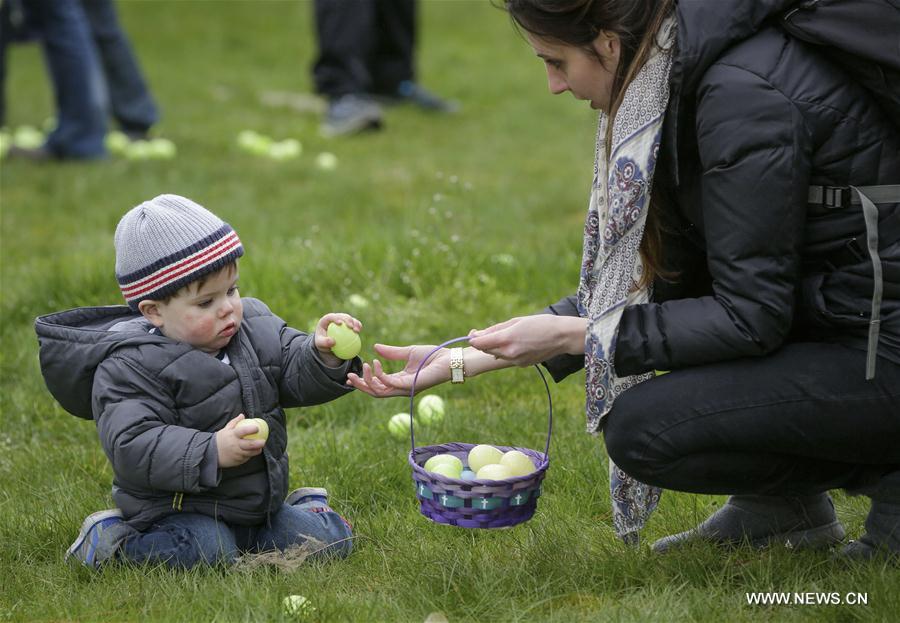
[443, 224]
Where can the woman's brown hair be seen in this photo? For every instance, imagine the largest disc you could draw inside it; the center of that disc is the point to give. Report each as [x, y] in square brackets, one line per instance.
[578, 23]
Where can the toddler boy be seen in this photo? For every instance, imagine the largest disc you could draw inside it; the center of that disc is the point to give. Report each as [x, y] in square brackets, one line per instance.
[169, 380]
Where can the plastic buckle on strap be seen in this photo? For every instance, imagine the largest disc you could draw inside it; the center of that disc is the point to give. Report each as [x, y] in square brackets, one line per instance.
[835, 197]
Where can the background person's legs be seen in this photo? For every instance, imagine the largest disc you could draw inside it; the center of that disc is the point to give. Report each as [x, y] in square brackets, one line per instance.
[78, 82]
[346, 35]
[129, 97]
[393, 66]
[6, 27]
[393, 55]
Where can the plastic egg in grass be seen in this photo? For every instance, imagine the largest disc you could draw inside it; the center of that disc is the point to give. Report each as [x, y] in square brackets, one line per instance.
[440, 459]
[28, 137]
[138, 150]
[430, 409]
[399, 425]
[116, 142]
[518, 463]
[326, 161]
[163, 149]
[254, 142]
[284, 150]
[482, 455]
[297, 606]
[358, 300]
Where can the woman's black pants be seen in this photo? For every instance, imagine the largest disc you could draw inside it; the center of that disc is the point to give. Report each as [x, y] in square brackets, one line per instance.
[800, 421]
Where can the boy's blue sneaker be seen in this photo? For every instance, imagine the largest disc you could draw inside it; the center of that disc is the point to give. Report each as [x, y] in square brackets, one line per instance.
[313, 499]
[99, 538]
[308, 497]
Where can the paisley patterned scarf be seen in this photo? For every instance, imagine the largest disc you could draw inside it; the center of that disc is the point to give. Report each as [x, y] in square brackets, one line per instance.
[611, 266]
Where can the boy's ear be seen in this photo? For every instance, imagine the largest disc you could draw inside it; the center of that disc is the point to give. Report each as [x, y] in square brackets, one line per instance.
[150, 310]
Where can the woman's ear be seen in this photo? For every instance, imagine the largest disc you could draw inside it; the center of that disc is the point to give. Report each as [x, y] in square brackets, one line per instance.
[608, 47]
[150, 310]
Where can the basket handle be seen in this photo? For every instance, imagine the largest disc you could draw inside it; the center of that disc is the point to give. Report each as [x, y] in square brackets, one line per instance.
[412, 395]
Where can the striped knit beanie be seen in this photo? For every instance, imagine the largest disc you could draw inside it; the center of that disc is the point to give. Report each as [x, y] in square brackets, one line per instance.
[168, 242]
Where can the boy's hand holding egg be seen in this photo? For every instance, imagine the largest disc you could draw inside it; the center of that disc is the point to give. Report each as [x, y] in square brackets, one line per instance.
[337, 338]
[236, 444]
[262, 429]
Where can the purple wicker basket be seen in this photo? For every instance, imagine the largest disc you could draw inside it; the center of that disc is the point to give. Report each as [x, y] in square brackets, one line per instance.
[475, 503]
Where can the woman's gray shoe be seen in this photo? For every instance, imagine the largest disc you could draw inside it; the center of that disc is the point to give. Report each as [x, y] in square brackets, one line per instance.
[795, 522]
[882, 537]
[864, 550]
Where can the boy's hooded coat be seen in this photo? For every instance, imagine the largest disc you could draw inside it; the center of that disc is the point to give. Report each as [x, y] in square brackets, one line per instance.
[158, 403]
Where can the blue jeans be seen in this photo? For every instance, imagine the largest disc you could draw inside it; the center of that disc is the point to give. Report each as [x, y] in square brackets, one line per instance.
[78, 84]
[94, 71]
[190, 539]
[130, 101]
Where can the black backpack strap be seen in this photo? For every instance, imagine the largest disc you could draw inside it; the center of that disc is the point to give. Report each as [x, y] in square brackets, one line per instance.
[878, 236]
[870, 212]
[839, 197]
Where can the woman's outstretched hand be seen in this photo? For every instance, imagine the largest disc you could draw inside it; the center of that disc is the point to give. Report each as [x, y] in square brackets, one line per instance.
[517, 342]
[376, 382]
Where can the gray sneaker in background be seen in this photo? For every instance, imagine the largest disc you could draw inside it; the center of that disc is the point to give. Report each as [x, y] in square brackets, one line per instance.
[350, 114]
[409, 92]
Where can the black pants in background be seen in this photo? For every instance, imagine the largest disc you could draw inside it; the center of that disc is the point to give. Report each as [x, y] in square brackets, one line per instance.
[365, 46]
[800, 421]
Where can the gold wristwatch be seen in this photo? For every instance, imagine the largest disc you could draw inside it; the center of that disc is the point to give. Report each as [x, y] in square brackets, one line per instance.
[457, 366]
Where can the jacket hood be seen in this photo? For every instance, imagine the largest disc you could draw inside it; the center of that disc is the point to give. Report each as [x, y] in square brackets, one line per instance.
[74, 342]
[706, 28]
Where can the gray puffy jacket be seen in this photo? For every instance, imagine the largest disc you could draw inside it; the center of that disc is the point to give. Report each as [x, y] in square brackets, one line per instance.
[158, 404]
